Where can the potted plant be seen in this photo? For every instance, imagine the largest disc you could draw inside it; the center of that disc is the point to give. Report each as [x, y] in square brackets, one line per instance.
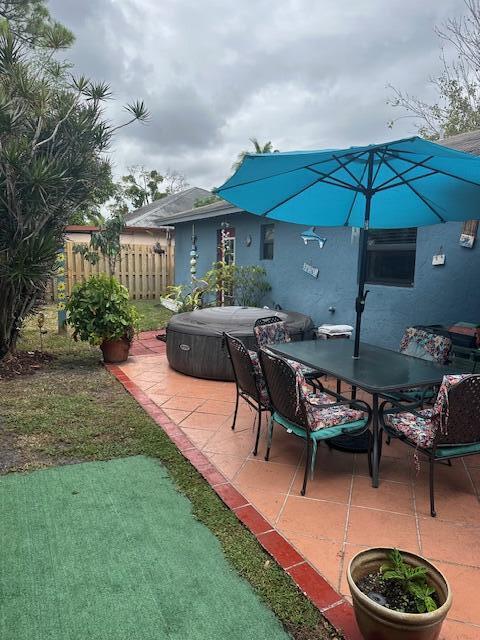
[397, 595]
[100, 313]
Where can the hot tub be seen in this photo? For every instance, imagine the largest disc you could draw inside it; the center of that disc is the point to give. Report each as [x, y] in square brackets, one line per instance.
[195, 339]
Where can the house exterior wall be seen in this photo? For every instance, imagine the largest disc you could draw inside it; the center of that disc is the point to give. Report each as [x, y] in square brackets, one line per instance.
[440, 295]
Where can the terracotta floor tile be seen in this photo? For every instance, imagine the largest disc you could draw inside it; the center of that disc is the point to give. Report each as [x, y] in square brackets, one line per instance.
[465, 586]
[314, 585]
[158, 398]
[199, 437]
[390, 496]
[198, 420]
[269, 476]
[268, 503]
[472, 461]
[233, 498]
[151, 376]
[324, 555]
[450, 542]
[382, 529]
[328, 483]
[453, 506]
[175, 414]
[392, 469]
[228, 465]
[183, 403]
[280, 549]
[313, 518]
[253, 519]
[452, 630]
[232, 442]
[217, 406]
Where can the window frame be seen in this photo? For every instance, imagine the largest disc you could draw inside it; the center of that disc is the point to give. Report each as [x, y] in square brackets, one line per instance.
[401, 245]
[271, 243]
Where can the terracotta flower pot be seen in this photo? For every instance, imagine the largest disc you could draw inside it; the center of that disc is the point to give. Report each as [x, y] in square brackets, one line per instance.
[115, 351]
[380, 623]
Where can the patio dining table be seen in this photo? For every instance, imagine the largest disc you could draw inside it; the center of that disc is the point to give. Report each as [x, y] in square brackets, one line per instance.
[377, 371]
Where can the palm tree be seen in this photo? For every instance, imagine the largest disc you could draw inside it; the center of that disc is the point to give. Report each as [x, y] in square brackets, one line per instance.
[258, 148]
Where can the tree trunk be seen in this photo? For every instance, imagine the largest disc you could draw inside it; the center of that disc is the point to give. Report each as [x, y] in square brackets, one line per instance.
[18, 302]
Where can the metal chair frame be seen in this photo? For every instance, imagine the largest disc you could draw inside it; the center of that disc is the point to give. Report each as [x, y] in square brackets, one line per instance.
[463, 427]
[245, 382]
[280, 379]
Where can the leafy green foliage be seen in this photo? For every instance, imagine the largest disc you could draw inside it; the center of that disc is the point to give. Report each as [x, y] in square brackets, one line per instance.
[187, 297]
[250, 285]
[30, 20]
[105, 242]
[411, 579]
[457, 107]
[202, 202]
[53, 139]
[99, 309]
[143, 186]
[257, 148]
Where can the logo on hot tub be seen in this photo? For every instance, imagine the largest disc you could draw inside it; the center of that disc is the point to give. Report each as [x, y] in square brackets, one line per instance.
[185, 347]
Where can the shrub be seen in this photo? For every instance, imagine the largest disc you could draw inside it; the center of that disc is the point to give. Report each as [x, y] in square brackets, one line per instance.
[99, 309]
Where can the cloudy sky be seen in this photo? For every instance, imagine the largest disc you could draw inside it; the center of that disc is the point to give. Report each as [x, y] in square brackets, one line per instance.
[304, 74]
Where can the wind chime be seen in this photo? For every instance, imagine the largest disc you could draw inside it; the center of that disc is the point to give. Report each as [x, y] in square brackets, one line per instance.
[193, 256]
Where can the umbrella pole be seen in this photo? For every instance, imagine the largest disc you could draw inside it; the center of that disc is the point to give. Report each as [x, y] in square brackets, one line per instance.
[362, 294]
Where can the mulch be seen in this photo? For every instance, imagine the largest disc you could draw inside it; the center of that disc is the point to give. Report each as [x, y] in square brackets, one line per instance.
[23, 363]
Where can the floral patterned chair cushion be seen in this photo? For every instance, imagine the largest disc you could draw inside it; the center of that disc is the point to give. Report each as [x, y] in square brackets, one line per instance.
[272, 333]
[323, 417]
[296, 365]
[423, 428]
[428, 346]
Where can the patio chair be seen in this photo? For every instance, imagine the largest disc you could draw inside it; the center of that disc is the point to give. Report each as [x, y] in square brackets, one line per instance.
[449, 429]
[273, 330]
[249, 382]
[312, 416]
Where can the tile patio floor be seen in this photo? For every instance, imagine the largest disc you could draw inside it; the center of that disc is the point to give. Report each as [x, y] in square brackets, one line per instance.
[341, 512]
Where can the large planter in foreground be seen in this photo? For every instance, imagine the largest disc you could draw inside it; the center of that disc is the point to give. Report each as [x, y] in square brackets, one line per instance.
[115, 351]
[377, 622]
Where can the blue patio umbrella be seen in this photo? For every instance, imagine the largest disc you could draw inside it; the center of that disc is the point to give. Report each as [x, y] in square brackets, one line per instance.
[404, 183]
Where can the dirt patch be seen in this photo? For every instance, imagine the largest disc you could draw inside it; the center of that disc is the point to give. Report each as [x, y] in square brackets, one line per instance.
[21, 452]
[23, 363]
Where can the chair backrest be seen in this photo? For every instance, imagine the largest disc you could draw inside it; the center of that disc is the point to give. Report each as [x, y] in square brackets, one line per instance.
[281, 381]
[243, 370]
[459, 404]
[271, 330]
[426, 345]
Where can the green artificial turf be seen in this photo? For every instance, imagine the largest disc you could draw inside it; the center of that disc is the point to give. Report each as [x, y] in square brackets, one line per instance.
[110, 550]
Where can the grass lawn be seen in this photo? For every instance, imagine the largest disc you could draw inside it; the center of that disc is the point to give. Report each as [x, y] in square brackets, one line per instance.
[154, 315]
[73, 411]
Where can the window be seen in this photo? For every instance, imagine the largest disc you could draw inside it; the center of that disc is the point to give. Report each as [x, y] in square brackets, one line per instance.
[267, 236]
[391, 256]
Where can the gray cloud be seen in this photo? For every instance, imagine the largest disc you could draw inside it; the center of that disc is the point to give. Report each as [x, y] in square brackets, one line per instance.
[302, 73]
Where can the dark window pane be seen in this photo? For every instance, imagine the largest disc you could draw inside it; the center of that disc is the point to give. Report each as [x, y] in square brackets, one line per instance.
[267, 241]
[391, 257]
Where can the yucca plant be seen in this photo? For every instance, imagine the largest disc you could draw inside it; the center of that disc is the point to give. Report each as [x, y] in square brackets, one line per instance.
[53, 137]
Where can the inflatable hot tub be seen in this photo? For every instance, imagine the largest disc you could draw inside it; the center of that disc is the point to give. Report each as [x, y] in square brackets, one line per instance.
[195, 339]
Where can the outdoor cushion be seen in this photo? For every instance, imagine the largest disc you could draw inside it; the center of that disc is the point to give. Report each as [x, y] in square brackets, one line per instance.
[320, 434]
[420, 430]
[260, 380]
[272, 333]
[321, 417]
[306, 371]
[428, 346]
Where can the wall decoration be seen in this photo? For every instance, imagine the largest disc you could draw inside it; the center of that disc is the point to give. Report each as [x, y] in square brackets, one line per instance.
[469, 233]
[311, 271]
[248, 240]
[193, 255]
[311, 236]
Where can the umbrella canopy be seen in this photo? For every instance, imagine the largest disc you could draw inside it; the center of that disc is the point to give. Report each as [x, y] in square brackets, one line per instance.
[404, 183]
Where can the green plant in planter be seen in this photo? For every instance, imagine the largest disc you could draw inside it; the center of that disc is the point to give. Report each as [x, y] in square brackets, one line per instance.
[411, 580]
[99, 310]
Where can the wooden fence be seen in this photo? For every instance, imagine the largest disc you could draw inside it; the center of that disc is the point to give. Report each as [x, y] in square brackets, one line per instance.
[144, 272]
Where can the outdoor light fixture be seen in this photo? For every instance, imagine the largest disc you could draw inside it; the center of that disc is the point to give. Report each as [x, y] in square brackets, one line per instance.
[310, 236]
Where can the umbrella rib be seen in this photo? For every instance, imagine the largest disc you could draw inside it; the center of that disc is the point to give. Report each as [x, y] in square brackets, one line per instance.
[432, 172]
[419, 195]
[282, 173]
[344, 165]
[445, 173]
[337, 183]
[402, 173]
[294, 195]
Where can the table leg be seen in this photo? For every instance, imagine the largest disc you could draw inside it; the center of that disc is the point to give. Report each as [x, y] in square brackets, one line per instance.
[354, 393]
[339, 387]
[375, 461]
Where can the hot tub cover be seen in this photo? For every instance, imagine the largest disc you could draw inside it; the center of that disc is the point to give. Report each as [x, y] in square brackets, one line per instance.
[238, 321]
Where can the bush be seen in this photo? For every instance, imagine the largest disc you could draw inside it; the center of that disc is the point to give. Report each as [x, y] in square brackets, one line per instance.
[99, 309]
[250, 285]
